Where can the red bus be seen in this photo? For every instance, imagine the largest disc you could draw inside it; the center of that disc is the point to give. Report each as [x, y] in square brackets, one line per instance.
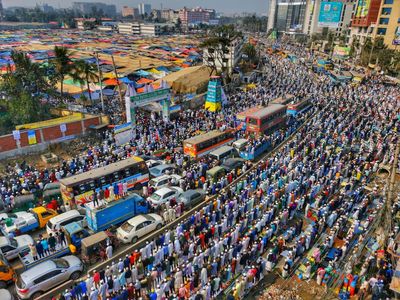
[267, 119]
[204, 143]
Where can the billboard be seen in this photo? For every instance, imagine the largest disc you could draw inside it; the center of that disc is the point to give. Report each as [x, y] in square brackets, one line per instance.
[330, 14]
[341, 52]
[362, 8]
[396, 40]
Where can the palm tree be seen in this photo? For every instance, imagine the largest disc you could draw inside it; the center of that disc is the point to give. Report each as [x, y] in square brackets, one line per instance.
[88, 72]
[62, 65]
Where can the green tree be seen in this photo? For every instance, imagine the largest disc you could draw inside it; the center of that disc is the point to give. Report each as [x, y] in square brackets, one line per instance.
[62, 65]
[24, 87]
[85, 73]
[218, 45]
[251, 52]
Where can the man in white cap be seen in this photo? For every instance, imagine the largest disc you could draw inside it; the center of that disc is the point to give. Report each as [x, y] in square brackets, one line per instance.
[94, 294]
[109, 251]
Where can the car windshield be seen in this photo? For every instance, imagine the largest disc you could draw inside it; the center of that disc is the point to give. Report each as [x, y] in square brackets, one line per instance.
[155, 197]
[156, 171]
[13, 243]
[61, 263]
[126, 227]
[149, 218]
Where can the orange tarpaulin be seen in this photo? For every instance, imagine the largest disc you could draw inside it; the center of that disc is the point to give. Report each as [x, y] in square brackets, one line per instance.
[144, 80]
[155, 85]
[111, 81]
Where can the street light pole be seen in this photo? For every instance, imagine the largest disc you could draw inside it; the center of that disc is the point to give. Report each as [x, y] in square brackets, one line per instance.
[101, 83]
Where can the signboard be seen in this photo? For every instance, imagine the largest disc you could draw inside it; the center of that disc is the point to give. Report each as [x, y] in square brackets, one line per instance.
[63, 127]
[330, 14]
[341, 52]
[123, 133]
[31, 137]
[16, 135]
[145, 98]
[362, 8]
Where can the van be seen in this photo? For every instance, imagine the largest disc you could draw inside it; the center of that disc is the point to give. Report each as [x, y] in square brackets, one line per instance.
[223, 152]
[55, 223]
[240, 144]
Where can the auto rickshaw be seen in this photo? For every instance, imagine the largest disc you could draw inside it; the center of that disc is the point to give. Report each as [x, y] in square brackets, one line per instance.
[24, 202]
[93, 247]
[215, 173]
[75, 233]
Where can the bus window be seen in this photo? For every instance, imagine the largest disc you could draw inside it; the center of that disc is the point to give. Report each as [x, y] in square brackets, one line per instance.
[91, 185]
[103, 181]
[252, 121]
[127, 172]
[82, 188]
[142, 167]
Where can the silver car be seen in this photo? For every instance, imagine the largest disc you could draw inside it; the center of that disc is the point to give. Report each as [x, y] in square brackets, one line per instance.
[46, 275]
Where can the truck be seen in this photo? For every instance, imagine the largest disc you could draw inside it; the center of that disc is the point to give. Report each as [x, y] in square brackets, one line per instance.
[252, 155]
[22, 222]
[11, 247]
[28, 261]
[107, 214]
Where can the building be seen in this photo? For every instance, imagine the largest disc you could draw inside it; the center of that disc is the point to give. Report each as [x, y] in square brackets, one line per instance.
[85, 24]
[195, 16]
[333, 15]
[93, 7]
[156, 14]
[230, 58]
[287, 15]
[388, 23]
[144, 9]
[128, 11]
[170, 15]
[1, 11]
[47, 8]
[150, 29]
[364, 20]
[129, 28]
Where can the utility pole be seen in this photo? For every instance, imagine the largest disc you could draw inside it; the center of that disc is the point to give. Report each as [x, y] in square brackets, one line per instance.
[119, 86]
[100, 81]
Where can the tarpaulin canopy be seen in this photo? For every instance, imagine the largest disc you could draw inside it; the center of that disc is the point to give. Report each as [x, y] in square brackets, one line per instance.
[111, 81]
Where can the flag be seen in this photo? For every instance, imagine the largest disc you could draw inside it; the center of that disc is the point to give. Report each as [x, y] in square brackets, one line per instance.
[272, 36]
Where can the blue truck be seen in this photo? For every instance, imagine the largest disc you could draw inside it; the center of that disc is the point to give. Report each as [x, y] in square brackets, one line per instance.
[116, 212]
[252, 155]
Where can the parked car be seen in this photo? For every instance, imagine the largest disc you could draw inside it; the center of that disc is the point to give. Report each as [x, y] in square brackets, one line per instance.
[161, 170]
[164, 181]
[46, 275]
[164, 195]
[153, 163]
[11, 247]
[233, 164]
[139, 226]
[191, 197]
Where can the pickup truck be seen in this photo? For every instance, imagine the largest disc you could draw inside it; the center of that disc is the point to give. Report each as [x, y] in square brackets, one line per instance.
[28, 262]
[11, 247]
[22, 222]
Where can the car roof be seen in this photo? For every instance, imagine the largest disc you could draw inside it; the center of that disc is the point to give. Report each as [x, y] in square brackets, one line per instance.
[3, 241]
[38, 270]
[190, 192]
[67, 214]
[137, 220]
[164, 190]
[162, 177]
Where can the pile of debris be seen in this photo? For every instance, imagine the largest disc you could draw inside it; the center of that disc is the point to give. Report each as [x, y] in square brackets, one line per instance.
[295, 290]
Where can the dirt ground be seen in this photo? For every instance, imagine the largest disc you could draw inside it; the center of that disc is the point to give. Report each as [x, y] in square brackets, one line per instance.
[63, 151]
[294, 289]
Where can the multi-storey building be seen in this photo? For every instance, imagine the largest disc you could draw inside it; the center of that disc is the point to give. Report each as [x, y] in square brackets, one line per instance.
[195, 15]
[388, 23]
[144, 9]
[287, 15]
[90, 7]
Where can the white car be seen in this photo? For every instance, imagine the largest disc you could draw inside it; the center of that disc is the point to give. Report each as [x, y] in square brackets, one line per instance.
[164, 195]
[139, 226]
[11, 247]
[153, 163]
[164, 181]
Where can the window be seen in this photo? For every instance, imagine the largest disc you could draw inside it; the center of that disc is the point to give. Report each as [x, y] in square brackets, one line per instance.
[46, 214]
[388, 2]
[386, 11]
[381, 31]
[384, 21]
[398, 21]
[6, 249]
[252, 121]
